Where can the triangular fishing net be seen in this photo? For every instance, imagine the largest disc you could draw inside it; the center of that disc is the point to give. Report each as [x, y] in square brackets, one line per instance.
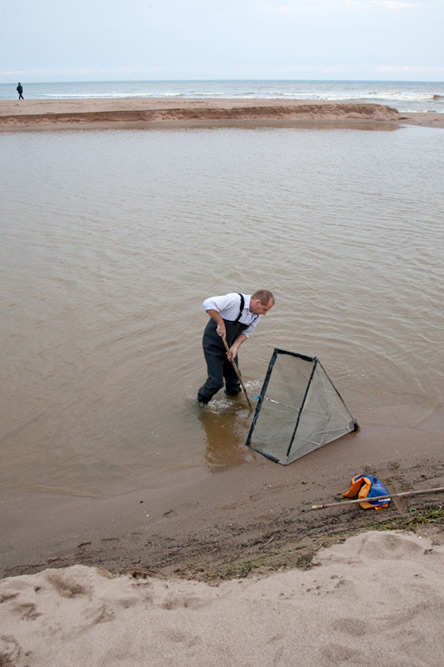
[298, 409]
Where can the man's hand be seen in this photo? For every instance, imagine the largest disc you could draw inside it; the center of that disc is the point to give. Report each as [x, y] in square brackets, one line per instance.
[221, 329]
[232, 352]
[220, 324]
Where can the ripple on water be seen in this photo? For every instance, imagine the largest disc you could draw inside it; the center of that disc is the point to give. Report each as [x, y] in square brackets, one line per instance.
[107, 256]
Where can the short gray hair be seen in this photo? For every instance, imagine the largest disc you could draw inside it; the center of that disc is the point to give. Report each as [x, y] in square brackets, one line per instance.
[264, 296]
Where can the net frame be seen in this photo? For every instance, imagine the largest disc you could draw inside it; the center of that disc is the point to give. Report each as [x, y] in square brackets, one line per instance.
[348, 425]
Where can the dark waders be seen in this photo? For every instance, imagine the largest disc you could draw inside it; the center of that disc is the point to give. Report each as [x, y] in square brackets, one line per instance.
[219, 368]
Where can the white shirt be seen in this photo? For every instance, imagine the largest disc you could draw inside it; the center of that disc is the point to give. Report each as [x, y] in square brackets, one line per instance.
[228, 307]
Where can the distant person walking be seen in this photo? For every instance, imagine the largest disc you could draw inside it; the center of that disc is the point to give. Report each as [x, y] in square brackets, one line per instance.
[20, 91]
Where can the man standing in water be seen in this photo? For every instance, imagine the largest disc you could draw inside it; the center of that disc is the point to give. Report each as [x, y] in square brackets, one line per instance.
[233, 317]
[20, 91]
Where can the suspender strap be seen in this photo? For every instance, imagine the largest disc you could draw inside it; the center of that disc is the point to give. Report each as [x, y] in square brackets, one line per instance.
[242, 304]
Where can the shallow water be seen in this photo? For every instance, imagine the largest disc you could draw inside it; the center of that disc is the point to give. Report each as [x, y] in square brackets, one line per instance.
[112, 239]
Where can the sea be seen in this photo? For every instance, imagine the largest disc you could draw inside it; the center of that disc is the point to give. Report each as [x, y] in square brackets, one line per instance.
[111, 240]
[406, 96]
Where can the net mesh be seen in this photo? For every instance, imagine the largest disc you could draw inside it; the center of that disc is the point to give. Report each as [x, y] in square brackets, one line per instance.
[298, 410]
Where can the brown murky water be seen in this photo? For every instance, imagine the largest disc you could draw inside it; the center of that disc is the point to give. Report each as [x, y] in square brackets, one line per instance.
[111, 240]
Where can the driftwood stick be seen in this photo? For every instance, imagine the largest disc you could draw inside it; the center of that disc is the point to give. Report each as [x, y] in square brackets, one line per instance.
[386, 497]
[238, 375]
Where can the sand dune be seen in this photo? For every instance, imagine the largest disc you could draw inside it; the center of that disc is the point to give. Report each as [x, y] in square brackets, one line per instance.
[377, 598]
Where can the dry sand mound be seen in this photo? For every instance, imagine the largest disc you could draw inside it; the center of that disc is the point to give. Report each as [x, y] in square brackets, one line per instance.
[376, 599]
[154, 112]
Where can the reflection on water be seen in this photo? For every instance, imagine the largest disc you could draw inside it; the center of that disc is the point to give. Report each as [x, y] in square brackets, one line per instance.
[107, 255]
[224, 422]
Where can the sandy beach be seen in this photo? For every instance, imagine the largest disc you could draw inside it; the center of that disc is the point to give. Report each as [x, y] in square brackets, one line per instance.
[237, 565]
[209, 568]
[175, 112]
[379, 596]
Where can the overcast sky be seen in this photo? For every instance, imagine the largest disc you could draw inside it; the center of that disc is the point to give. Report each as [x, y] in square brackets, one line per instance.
[103, 40]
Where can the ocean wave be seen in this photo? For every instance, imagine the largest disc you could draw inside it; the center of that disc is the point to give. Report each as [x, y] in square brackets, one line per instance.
[405, 96]
[332, 97]
[93, 96]
[391, 95]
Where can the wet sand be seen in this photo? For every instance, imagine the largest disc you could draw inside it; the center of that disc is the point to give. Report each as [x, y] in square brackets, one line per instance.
[194, 524]
[176, 112]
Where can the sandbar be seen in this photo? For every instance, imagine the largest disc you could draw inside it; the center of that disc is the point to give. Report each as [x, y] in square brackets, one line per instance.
[195, 112]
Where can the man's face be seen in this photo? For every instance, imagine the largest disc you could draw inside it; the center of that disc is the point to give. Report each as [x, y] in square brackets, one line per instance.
[258, 308]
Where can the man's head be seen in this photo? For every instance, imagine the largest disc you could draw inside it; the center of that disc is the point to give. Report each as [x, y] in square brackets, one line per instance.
[261, 302]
